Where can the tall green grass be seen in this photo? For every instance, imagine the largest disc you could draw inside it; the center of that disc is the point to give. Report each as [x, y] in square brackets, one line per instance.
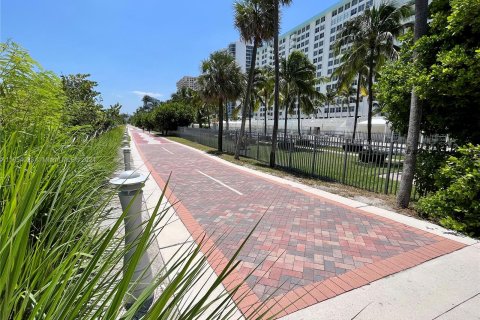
[58, 257]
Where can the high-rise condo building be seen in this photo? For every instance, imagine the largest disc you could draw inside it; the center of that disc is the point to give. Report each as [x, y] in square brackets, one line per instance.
[316, 37]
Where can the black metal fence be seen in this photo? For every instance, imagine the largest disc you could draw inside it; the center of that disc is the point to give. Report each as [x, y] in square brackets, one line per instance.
[375, 167]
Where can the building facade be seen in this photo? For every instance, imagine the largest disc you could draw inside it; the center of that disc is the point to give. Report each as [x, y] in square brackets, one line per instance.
[187, 82]
[242, 52]
[315, 38]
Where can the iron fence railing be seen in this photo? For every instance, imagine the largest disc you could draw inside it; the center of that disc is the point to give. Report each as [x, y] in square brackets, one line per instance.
[375, 166]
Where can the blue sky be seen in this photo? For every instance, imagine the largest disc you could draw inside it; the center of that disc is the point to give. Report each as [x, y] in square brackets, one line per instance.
[129, 47]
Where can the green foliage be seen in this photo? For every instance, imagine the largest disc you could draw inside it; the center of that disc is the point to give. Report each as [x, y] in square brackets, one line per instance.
[456, 204]
[445, 78]
[429, 161]
[169, 116]
[29, 95]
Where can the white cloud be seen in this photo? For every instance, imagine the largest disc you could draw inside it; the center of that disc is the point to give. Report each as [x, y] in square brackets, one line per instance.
[144, 93]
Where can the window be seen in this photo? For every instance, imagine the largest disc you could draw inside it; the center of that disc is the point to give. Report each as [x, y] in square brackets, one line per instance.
[334, 13]
[307, 34]
[330, 55]
[320, 51]
[332, 110]
[322, 35]
[329, 71]
[347, 5]
[354, 2]
[332, 30]
[315, 60]
[317, 22]
[322, 19]
[351, 109]
[339, 109]
[315, 46]
[317, 29]
[340, 9]
[332, 38]
[354, 10]
[319, 67]
[307, 42]
[337, 61]
[321, 43]
[361, 7]
[308, 27]
[330, 63]
[319, 74]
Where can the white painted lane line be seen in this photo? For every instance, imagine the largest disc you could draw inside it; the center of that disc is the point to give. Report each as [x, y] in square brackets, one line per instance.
[220, 182]
[167, 150]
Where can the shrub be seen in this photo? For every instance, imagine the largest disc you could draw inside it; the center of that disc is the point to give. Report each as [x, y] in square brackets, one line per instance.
[456, 204]
[429, 162]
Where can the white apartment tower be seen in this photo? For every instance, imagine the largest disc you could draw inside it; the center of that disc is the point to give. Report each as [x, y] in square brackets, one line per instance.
[316, 38]
[187, 82]
[242, 52]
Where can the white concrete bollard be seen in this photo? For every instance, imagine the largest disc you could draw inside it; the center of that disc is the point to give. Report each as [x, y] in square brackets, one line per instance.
[127, 158]
[130, 183]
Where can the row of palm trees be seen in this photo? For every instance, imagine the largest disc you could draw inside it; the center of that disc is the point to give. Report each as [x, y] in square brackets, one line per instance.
[364, 44]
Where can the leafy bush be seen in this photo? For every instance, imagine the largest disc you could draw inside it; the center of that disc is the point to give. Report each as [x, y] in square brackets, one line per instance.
[456, 204]
[170, 115]
[429, 162]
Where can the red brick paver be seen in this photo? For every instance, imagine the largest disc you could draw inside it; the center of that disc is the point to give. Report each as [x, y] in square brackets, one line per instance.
[306, 248]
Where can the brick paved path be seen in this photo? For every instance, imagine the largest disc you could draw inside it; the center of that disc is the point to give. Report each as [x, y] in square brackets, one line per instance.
[306, 248]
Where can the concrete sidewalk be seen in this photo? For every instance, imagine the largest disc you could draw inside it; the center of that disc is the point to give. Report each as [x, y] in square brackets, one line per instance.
[321, 256]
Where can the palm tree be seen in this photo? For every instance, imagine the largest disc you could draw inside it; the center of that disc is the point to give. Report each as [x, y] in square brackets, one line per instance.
[254, 20]
[221, 80]
[352, 67]
[330, 96]
[266, 85]
[403, 197]
[276, 94]
[370, 38]
[298, 85]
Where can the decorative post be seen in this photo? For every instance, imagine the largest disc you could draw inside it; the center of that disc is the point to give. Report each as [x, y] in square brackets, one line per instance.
[127, 158]
[130, 185]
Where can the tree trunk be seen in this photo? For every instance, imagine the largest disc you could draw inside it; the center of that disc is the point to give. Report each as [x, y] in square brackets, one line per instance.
[370, 101]
[406, 184]
[226, 115]
[298, 116]
[357, 104]
[328, 110]
[246, 102]
[266, 108]
[250, 120]
[277, 84]
[220, 124]
[286, 122]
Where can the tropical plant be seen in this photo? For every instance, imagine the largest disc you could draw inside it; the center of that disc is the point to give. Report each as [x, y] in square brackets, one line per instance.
[276, 92]
[29, 95]
[266, 85]
[330, 96]
[456, 204]
[370, 37]
[298, 85]
[254, 20]
[352, 68]
[221, 81]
